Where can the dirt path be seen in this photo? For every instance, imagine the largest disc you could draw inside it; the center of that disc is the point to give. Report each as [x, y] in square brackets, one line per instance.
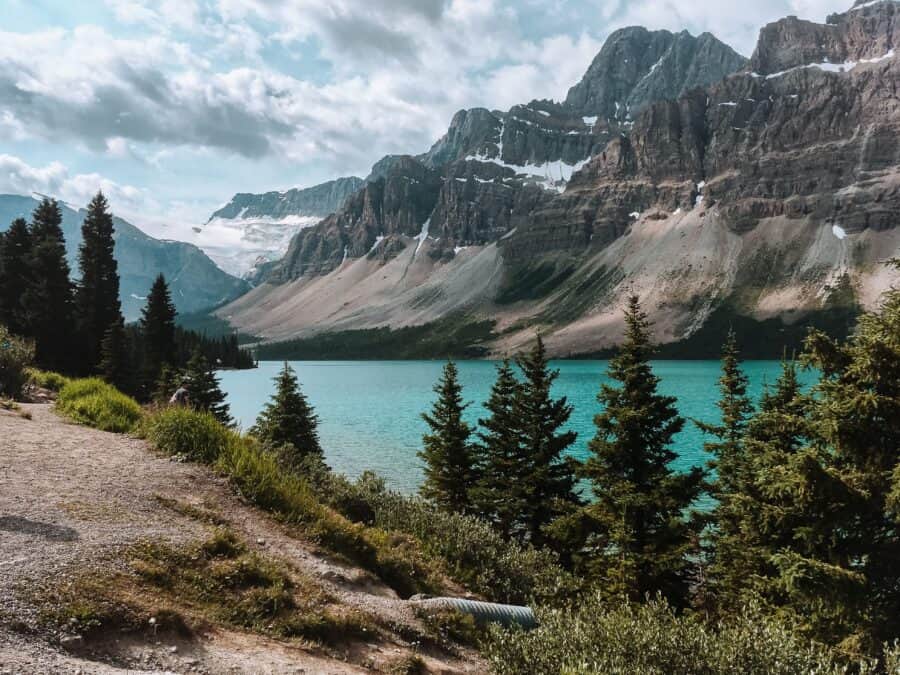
[71, 496]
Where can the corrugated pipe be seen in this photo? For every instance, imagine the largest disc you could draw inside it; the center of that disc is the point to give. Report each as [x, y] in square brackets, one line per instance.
[483, 612]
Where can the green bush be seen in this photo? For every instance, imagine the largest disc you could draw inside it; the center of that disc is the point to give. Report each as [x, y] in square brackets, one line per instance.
[47, 379]
[260, 477]
[94, 403]
[15, 356]
[472, 551]
[193, 434]
[647, 639]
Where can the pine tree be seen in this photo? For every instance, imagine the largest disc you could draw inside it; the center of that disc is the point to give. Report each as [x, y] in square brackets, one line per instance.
[499, 495]
[115, 358]
[725, 537]
[548, 476]
[158, 327]
[638, 539]
[49, 296]
[98, 290]
[446, 451]
[288, 422]
[165, 385]
[203, 388]
[15, 276]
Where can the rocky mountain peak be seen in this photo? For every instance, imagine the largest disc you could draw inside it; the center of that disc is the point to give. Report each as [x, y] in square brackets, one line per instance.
[637, 66]
[869, 30]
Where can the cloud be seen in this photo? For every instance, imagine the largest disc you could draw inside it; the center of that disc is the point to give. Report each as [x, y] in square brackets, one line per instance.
[54, 180]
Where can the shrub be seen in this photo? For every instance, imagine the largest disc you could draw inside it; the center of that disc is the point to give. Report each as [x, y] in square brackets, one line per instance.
[648, 638]
[15, 356]
[47, 379]
[474, 553]
[196, 435]
[260, 477]
[95, 403]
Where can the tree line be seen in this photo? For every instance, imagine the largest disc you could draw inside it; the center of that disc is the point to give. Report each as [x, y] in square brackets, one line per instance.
[77, 327]
[806, 484]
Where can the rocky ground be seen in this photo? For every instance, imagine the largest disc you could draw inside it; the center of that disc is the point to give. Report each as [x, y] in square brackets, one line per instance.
[72, 498]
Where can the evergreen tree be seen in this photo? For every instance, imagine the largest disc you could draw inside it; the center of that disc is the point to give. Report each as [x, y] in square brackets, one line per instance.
[98, 290]
[158, 327]
[548, 476]
[115, 358]
[49, 296]
[15, 276]
[446, 449]
[203, 388]
[638, 538]
[731, 465]
[499, 495]
[829, 534]
[288, 422]
[165, 385]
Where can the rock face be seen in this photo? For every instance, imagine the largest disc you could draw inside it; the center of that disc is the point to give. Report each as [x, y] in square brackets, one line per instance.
[769, 192]
[319, 200]
[196, 283]
[492, 170]
[637, 67]
[254, 229]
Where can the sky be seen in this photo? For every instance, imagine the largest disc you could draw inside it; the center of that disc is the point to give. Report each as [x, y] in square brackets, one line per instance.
[172, 106]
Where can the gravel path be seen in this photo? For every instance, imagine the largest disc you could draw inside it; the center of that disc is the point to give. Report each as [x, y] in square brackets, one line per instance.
[71, 497]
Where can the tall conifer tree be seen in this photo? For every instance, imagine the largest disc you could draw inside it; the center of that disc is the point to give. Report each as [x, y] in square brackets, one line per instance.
[288, 422]
[499, 494]
[115, 358]
[732, 467]
[158, 326]
[204, 391]
[447, 451]
[49, 296]
[639, 539]
[98, 288]
[548, 475]
[15, 276]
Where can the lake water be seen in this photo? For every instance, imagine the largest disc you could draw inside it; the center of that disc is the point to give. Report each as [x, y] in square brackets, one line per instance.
[370, 410]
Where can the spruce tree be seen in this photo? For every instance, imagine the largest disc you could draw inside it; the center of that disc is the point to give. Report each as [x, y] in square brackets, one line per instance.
[115, 358]
[498, 495]
[158, 327]
[203, 388]
[639, 540]
[15, 276]
[49, 296]
[731, 465]
[288, 422]
[446, 451]
[548, 476]
[98, 289]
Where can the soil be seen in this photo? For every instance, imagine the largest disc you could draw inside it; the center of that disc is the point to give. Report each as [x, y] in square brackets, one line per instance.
[71, 497]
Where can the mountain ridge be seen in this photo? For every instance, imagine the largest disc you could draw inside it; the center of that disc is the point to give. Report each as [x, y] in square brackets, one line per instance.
[726, 197]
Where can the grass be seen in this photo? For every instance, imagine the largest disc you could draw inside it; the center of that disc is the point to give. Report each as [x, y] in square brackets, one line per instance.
[258, 476]
[47, 379]
[217, 581]
[96, 404]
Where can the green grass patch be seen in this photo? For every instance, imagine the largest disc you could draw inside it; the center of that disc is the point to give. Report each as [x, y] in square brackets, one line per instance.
[95, 403]
[47, 379]
[192, 434]
[456, 337]
[260, 478]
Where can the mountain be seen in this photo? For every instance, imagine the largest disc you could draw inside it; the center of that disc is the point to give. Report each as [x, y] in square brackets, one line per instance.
[253, 229]
[724, 192]
[195, 281]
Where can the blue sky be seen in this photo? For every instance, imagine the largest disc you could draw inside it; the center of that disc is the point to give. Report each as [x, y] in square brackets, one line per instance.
[171, 106]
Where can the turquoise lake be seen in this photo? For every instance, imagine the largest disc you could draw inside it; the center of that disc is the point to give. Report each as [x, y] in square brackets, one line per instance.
[369, 411]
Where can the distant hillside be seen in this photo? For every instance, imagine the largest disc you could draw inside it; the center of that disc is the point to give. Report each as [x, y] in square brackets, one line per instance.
[195, 280]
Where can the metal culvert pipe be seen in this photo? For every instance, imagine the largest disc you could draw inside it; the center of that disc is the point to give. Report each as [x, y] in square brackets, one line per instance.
[482, 612]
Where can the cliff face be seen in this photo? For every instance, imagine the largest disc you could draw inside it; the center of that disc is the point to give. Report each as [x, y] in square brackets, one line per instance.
[493, 170]
[771, 192]
[319, 200]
